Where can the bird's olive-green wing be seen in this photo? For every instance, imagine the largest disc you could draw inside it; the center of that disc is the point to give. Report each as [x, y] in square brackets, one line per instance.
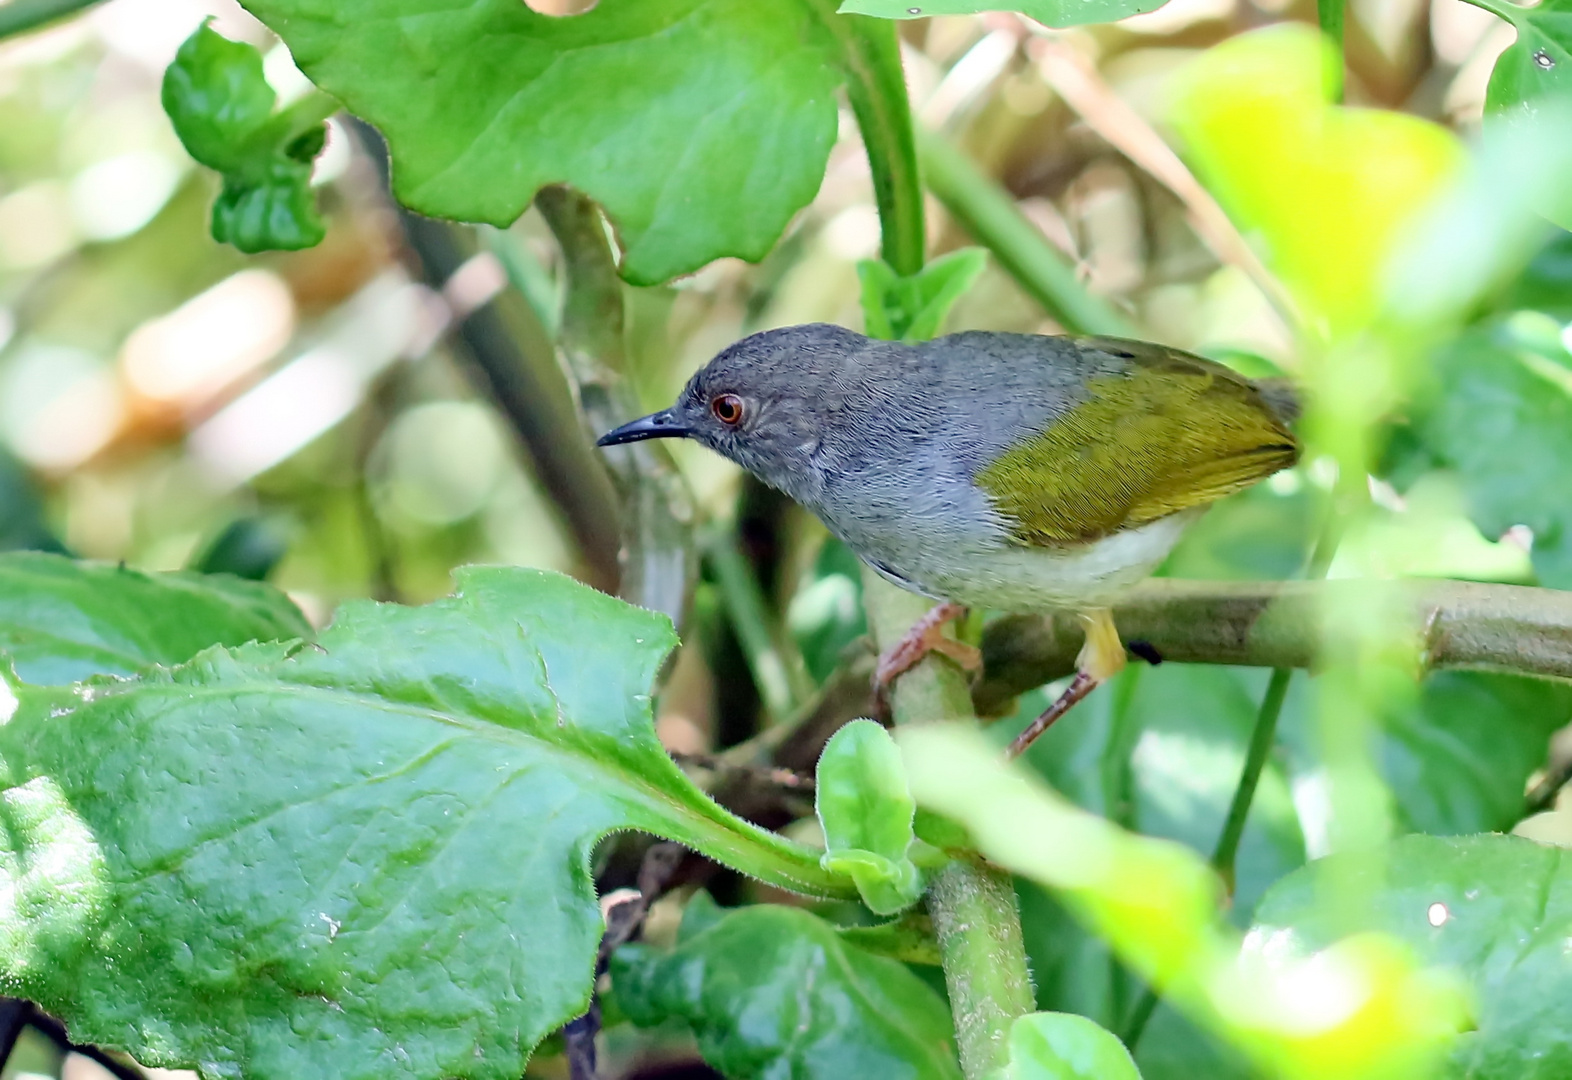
[1170, 432]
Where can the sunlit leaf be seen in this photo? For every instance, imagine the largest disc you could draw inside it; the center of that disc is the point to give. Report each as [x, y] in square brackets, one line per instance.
[1047, 12]
[222, 108]
[773, 991]
[866, 811]
[363, 858]
[61, 621]
[701, 126]
[1063, 1046]
[1330, 190]
[1156, 905]
[1496, 908]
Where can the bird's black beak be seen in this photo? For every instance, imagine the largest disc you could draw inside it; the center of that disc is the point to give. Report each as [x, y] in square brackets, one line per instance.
[661, 425]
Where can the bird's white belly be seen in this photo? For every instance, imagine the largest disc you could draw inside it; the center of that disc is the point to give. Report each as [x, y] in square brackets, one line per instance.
[1023, 579]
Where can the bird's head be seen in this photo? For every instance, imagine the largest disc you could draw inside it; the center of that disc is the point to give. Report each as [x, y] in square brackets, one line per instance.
[762, 402]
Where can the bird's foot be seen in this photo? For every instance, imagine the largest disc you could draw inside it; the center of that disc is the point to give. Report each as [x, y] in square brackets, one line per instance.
[926, 636]
[1100, 659]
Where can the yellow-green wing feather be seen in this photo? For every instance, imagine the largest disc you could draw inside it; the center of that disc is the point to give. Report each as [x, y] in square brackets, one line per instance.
[1172, 432]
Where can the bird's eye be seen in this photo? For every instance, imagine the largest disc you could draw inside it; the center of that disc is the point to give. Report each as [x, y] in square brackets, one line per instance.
[727, 409]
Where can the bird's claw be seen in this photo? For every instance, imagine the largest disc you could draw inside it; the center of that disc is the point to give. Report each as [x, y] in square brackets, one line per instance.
[925, 636]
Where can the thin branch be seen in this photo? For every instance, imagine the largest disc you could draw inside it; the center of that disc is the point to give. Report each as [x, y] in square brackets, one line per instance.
[657, 555]
[1543, 794]
[517, 367]
[777, 669]
[22, 16]
[988, 212]
[1458, 624]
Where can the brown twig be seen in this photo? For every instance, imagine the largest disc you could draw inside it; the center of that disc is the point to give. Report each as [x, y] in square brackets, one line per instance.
[624, 914]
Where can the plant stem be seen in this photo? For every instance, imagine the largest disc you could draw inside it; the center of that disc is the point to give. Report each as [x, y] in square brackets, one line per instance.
[778, 673]
[973, 906]
[1329, 14]
[517, 369]
[876, 88]
[989, 213]
[1262, 737]
[979, 930]
[657, 553]
[20, 16]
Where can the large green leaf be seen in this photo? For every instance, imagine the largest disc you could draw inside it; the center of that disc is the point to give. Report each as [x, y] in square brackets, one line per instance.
[62, 620]
[364, 858]
[1497, 908]
[775, 992]
[700, 125]
[1501, 416]
[1047, 12]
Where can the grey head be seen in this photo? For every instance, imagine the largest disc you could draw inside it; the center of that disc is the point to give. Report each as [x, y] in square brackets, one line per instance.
[767, 403]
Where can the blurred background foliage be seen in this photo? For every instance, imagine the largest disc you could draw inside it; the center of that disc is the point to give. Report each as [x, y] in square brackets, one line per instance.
[314, 417]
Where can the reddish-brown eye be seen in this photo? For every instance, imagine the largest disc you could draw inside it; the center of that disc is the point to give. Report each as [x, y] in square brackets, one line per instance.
[727, 409]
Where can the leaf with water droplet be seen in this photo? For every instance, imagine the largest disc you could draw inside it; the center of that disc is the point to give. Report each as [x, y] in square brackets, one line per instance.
[1498, 909]
[1532, 79]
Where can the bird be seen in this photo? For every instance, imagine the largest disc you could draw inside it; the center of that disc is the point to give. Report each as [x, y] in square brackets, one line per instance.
[1016, 472]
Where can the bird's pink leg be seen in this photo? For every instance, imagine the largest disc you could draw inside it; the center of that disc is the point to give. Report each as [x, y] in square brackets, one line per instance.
[926, 636]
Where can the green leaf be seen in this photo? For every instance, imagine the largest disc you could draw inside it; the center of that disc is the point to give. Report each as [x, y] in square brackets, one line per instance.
[913, 308]
[773, 991]
[1063, 1046]
[1156, 905]
[363, 859]
[1535, 71]
[222, 109]
[1496, 908]
[1047, 12]
[866, 810]
[1546, 284]
[1332, 191]
[61, 621]
[1501, 416]
[701, 126]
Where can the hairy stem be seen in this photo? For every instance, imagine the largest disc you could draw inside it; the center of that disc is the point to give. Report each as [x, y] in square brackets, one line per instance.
[989, 213]
[1277, 624]
[973, 905]
[20, 16]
